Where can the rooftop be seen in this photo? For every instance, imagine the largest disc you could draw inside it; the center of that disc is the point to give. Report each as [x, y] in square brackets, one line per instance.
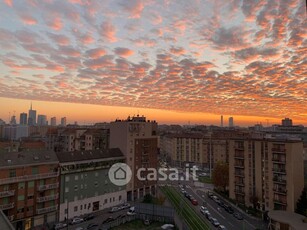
[293, 219]
[27, 157]
[89, 155]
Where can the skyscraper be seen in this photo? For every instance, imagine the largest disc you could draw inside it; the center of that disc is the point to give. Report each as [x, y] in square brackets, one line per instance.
[230, 122]
[63, 121]
[222, 121]
[23, 119]
[32, 116]
[53, 121]
[41, 120]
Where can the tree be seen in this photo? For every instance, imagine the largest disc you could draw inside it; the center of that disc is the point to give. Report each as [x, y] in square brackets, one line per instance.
[220, 176]
[301, 205]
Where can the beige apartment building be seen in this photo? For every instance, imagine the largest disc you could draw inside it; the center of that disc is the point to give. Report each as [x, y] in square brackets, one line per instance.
[137, 139]
[187, 149]
[266, 173]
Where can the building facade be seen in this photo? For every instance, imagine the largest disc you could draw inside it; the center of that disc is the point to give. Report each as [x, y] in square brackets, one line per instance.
[137, 139]
[23, 119]
[267, 174]
[85, 184]
[29, 188]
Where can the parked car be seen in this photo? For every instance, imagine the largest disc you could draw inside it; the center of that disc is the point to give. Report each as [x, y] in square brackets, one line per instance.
[59, 226]
[125, 205]
[194, 201]
[79, 228]
[238, 216]
[229, 209]
[109, 219]
[208, 216]
[76, 220]
[131, 211]
[221, 227]
[146, 222]
[215, 222]
[203, 209]
[88, 217]
[114, 209]
[92, 225]
[210, 194]
[167, 226]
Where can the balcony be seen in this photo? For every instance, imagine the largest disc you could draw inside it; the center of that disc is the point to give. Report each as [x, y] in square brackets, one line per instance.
[278, 160]
[279, 170]
[7, 206]
[240, 192]
[282, 191]
[279, 180]
[239, 147]
[145, 153]
[279, 150]
[239, 155]
[47, 198]
[282, 202]
[45, 210]
[7, 193]
[239, 174]
[47, 187]
[239, 183]
[239, 165]
[28, 177]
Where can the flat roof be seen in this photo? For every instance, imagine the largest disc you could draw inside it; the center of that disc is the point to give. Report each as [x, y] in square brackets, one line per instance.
[293, 219]
[89, 155]
[27, 157]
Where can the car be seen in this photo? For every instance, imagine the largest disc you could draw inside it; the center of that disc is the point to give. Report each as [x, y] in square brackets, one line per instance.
[216, 199]
[167, 226]
[146, 222]
[131, 211]
[114, 209]
[76, 220]
[88, 217]
[210, 194]
[59, 226]
[221, 203]
[215, 222]
[194, 201]
[92, 226]
[221, 227]
[208, 216]
[238, 216]
[203, 209]
[186, 194]
[229, 209]
[125, 205]
[109, 219]
[79, 228]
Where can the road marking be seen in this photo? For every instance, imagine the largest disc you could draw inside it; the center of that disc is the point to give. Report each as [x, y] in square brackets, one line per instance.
[230, 224]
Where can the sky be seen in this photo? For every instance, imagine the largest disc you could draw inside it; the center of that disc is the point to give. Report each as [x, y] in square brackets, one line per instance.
[172, 61]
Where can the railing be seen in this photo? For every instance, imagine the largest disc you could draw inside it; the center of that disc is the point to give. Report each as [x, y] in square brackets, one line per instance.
[279, 190]
[280, 202]
[7, 206]
[279, 180]
[279, 160]
[44, 210]
[240, 156]
[28, 177]
[240, 174]
[239, 183]
[47, 186]
[280, 150]
[239, 165]
[7, 193]
[240, 191]
[279, 170]
[47, 198]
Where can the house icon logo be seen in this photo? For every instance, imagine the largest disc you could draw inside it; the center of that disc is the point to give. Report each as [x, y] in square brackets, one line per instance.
[120, 174]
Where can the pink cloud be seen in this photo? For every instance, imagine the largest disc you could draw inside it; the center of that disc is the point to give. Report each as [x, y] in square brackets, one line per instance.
[60, 39]
[108, 31]
[177, 51]
[56, 24]
[133, 7]
[95, 53]
[123, 52]
[29, 20]
[9, 2]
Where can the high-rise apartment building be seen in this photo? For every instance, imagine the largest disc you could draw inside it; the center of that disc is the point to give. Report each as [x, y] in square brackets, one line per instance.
[63, 121]
[267, 174]
[137, 139]
[286, 122]
[53, 121]
[23, 119]
[230, 122]
[85, 184]
[29, 188]
[32, 116]
[41, 120]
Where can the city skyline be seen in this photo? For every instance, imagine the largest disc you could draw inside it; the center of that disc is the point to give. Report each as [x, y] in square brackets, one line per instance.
[174, 62]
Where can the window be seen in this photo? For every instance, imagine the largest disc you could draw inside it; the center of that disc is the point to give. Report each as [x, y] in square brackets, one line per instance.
[76, 177]
[30, 184]
[35, 170]
[66, 211]
[81, 207]
[21, 197]
[76, 209]
[76, 187]
[120, 198]
[21, 185]
[105, 201]
[96, 183]
[12, 173]
[66, 189]
[66, 178]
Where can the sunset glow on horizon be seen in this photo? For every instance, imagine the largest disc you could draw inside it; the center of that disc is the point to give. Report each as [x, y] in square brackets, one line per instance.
[176, 62]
